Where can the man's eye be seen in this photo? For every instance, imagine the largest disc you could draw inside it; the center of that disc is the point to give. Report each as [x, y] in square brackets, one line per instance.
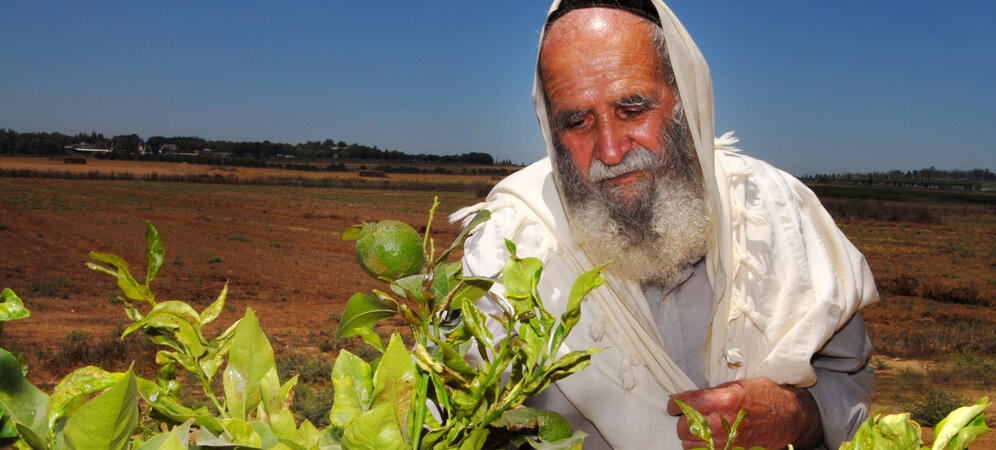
[632, 113]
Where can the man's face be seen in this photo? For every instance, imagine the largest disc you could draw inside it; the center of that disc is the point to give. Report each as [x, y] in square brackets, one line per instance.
[608, 97]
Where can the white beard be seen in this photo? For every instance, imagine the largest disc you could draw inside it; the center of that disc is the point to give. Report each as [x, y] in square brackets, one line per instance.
[674, 239]
[651, 239]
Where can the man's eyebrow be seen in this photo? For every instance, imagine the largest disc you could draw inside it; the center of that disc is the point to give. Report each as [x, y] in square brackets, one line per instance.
[636, 101]
[564, 119]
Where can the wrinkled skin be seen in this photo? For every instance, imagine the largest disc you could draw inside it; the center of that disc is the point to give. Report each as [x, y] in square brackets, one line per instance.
[608, 95]
[607, 91]
[776, 415]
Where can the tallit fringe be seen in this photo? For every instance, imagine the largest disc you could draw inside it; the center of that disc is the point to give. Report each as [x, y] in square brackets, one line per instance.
[726, 141]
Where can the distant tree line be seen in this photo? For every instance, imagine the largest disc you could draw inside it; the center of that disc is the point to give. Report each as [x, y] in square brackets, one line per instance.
[12, 142]
[927, 178]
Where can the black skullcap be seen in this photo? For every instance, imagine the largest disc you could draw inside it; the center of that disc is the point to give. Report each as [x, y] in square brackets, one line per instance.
[642, 8]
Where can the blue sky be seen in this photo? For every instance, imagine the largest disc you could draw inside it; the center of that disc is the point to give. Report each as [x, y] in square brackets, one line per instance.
[809, 87]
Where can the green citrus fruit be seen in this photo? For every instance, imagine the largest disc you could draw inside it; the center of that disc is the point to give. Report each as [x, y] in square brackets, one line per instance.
[553, 427]
[389, 248]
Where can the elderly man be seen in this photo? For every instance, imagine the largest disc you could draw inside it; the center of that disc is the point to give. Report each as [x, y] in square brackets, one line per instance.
[730, 287]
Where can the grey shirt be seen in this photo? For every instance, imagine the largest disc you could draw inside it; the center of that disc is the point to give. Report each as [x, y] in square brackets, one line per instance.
[844, 379]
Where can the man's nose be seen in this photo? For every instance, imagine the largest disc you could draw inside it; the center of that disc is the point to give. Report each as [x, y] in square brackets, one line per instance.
[612, 143]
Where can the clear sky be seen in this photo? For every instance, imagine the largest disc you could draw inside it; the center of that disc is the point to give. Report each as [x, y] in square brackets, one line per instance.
[808, 86]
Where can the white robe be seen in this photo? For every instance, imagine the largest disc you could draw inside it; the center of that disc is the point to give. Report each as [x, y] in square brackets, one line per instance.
[784, 277]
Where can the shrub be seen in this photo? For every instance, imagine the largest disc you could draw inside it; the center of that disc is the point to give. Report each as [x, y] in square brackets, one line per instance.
[934, 406]
[54, 286]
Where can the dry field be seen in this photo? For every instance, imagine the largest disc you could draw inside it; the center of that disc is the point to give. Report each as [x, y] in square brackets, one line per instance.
[459, 174]
[280, 250]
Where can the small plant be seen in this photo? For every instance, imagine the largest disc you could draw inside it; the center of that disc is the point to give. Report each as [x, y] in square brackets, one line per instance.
[214, 259]
[275, 244]
[54, 286]
[239, 238]
[3, 227]
[935, 405]
[477, 407]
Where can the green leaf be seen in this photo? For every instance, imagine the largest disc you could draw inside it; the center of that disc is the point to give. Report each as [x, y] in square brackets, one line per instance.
[242, 433]
[249, 359]
[469, 288]
[453, 359]
[352, 232]
[948, 430]
[474, 321]
[78, 384]
[22, 402]
[308, 434]
[12, 308]
[107, 421]
[697, 423]
[475, 440]
[212, 312]
[410, 285]
[362, 312]
[582, 286]
[170, 408]
[375, 429]
[154, 253]
[173, 318]
[573, 442]
[479, 218]
[175, 439]
[120, 270]
[330, 440]
[394, 381]
[520, 277]
[380, 427]
[570, 363]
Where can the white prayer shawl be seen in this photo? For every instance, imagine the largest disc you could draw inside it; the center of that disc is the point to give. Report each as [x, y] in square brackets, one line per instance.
[785, 278]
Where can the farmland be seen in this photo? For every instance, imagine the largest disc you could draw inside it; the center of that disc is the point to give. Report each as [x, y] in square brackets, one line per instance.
[279, 248]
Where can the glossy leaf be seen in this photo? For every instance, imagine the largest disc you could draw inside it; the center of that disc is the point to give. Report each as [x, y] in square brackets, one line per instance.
[22, 402]
[175, 439]
[154, 253]
[520, 277]
[381, 426]
[697, 423]
[362, 312]
[78, 384]
[394, 381]
[468, 288]
[582, 286]
[352, 232]
[12, 307]
[107, 421]
[474, 322]
[241, 432]
[375, 429]
[961, 426]
[214, 310]
[170, 408]
[475, 439]
[352, 380]
[120, 270]
[249, 360]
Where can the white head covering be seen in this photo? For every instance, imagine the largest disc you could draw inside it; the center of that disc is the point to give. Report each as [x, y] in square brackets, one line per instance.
[784, 277]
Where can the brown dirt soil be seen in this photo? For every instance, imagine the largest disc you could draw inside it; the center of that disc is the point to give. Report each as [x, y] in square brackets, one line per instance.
[166, 168]
[280, 250]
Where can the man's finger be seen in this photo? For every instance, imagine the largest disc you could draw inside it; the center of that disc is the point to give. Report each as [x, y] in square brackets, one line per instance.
[723, 398]
[694, 398]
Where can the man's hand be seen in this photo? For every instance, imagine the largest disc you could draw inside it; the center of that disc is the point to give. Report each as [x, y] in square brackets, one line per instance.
[776, 415]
